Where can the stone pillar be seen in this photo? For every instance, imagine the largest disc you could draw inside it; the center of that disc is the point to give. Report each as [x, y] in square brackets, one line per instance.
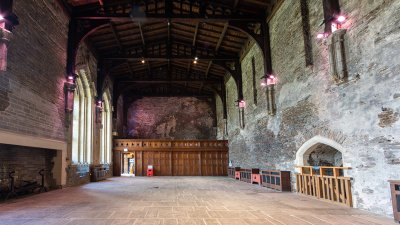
[5, 37]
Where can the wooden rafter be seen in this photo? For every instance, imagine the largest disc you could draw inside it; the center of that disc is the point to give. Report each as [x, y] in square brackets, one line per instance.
[116, 36]
[171, 48]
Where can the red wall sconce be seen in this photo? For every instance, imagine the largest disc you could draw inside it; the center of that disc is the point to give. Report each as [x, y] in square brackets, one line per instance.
[69, 89]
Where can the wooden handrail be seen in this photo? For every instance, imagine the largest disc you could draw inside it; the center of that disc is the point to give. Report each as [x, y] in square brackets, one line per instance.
[322, 170]
[325, 167]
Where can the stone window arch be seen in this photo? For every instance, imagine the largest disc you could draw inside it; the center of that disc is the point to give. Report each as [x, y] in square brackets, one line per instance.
[82, 121]
[106, 130]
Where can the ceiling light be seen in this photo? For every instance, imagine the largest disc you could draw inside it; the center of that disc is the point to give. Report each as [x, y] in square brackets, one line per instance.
[143, 61]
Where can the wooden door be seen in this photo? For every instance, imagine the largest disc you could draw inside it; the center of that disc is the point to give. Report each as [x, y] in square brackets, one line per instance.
[117, 163]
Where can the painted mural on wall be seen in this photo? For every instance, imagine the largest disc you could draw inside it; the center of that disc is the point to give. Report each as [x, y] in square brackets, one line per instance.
[171, 118]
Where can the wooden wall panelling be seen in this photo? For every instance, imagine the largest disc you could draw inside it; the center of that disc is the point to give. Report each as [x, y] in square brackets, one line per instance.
[177, 158]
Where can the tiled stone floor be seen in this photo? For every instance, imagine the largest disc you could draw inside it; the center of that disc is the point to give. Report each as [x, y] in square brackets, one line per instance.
[177, 200]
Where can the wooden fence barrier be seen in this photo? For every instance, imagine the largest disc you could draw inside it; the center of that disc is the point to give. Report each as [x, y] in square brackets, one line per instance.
[334, 188]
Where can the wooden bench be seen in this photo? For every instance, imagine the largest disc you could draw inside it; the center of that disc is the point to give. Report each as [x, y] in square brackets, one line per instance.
[232, 170]
[245, 174]
[98, 173]
[275, 179]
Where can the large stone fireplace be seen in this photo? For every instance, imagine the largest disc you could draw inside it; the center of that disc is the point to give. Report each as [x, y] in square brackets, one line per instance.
[27, 155]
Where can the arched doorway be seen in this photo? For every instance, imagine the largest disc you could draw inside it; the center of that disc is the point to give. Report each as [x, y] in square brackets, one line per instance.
[323, 155]
[321, 171]
[320, 150]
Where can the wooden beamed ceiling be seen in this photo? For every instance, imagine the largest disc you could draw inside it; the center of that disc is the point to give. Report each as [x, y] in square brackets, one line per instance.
[168, 35]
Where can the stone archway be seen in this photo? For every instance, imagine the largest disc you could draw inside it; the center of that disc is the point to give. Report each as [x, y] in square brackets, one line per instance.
[330, 152]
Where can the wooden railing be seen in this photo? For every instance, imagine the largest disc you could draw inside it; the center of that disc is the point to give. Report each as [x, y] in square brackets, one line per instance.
[143, 144]
[334, 188]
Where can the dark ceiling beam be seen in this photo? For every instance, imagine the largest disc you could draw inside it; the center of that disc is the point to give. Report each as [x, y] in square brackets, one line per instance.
[196, 30]
[116, 36]
[208, 69]
[170, 81]
[141, 33]
[258, 2]
[165, 58]
[179, 67]
[201, 13]
[130, 70]
[144, 45]
[221, 37]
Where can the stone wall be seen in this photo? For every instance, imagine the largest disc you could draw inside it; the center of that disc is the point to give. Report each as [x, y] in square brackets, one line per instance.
[360, 116]
[32, 88]
[26, 162]
[171, 118]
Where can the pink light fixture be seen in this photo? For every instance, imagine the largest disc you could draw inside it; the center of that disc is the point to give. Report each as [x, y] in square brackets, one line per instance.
[70, 79]
[341, 19]
[99, 110]
[242, 104]
[271, 79]
[1, 17]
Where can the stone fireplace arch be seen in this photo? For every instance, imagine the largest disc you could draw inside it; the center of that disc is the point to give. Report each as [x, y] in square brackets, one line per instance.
[309, 146]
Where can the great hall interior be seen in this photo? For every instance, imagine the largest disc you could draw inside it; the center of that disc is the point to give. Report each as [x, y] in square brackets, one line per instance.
[199, 112]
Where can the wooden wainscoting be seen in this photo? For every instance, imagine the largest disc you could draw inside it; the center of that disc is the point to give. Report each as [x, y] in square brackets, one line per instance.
[177, 157]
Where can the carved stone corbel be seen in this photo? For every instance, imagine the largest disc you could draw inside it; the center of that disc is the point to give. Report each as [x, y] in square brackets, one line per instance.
[337, 58]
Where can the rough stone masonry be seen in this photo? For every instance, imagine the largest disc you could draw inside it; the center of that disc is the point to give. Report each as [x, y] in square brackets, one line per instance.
[361, 115]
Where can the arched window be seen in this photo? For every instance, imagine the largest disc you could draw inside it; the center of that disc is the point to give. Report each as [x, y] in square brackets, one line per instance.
[88, 122]
[82, 122]
[106, 138]
[76, 122]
